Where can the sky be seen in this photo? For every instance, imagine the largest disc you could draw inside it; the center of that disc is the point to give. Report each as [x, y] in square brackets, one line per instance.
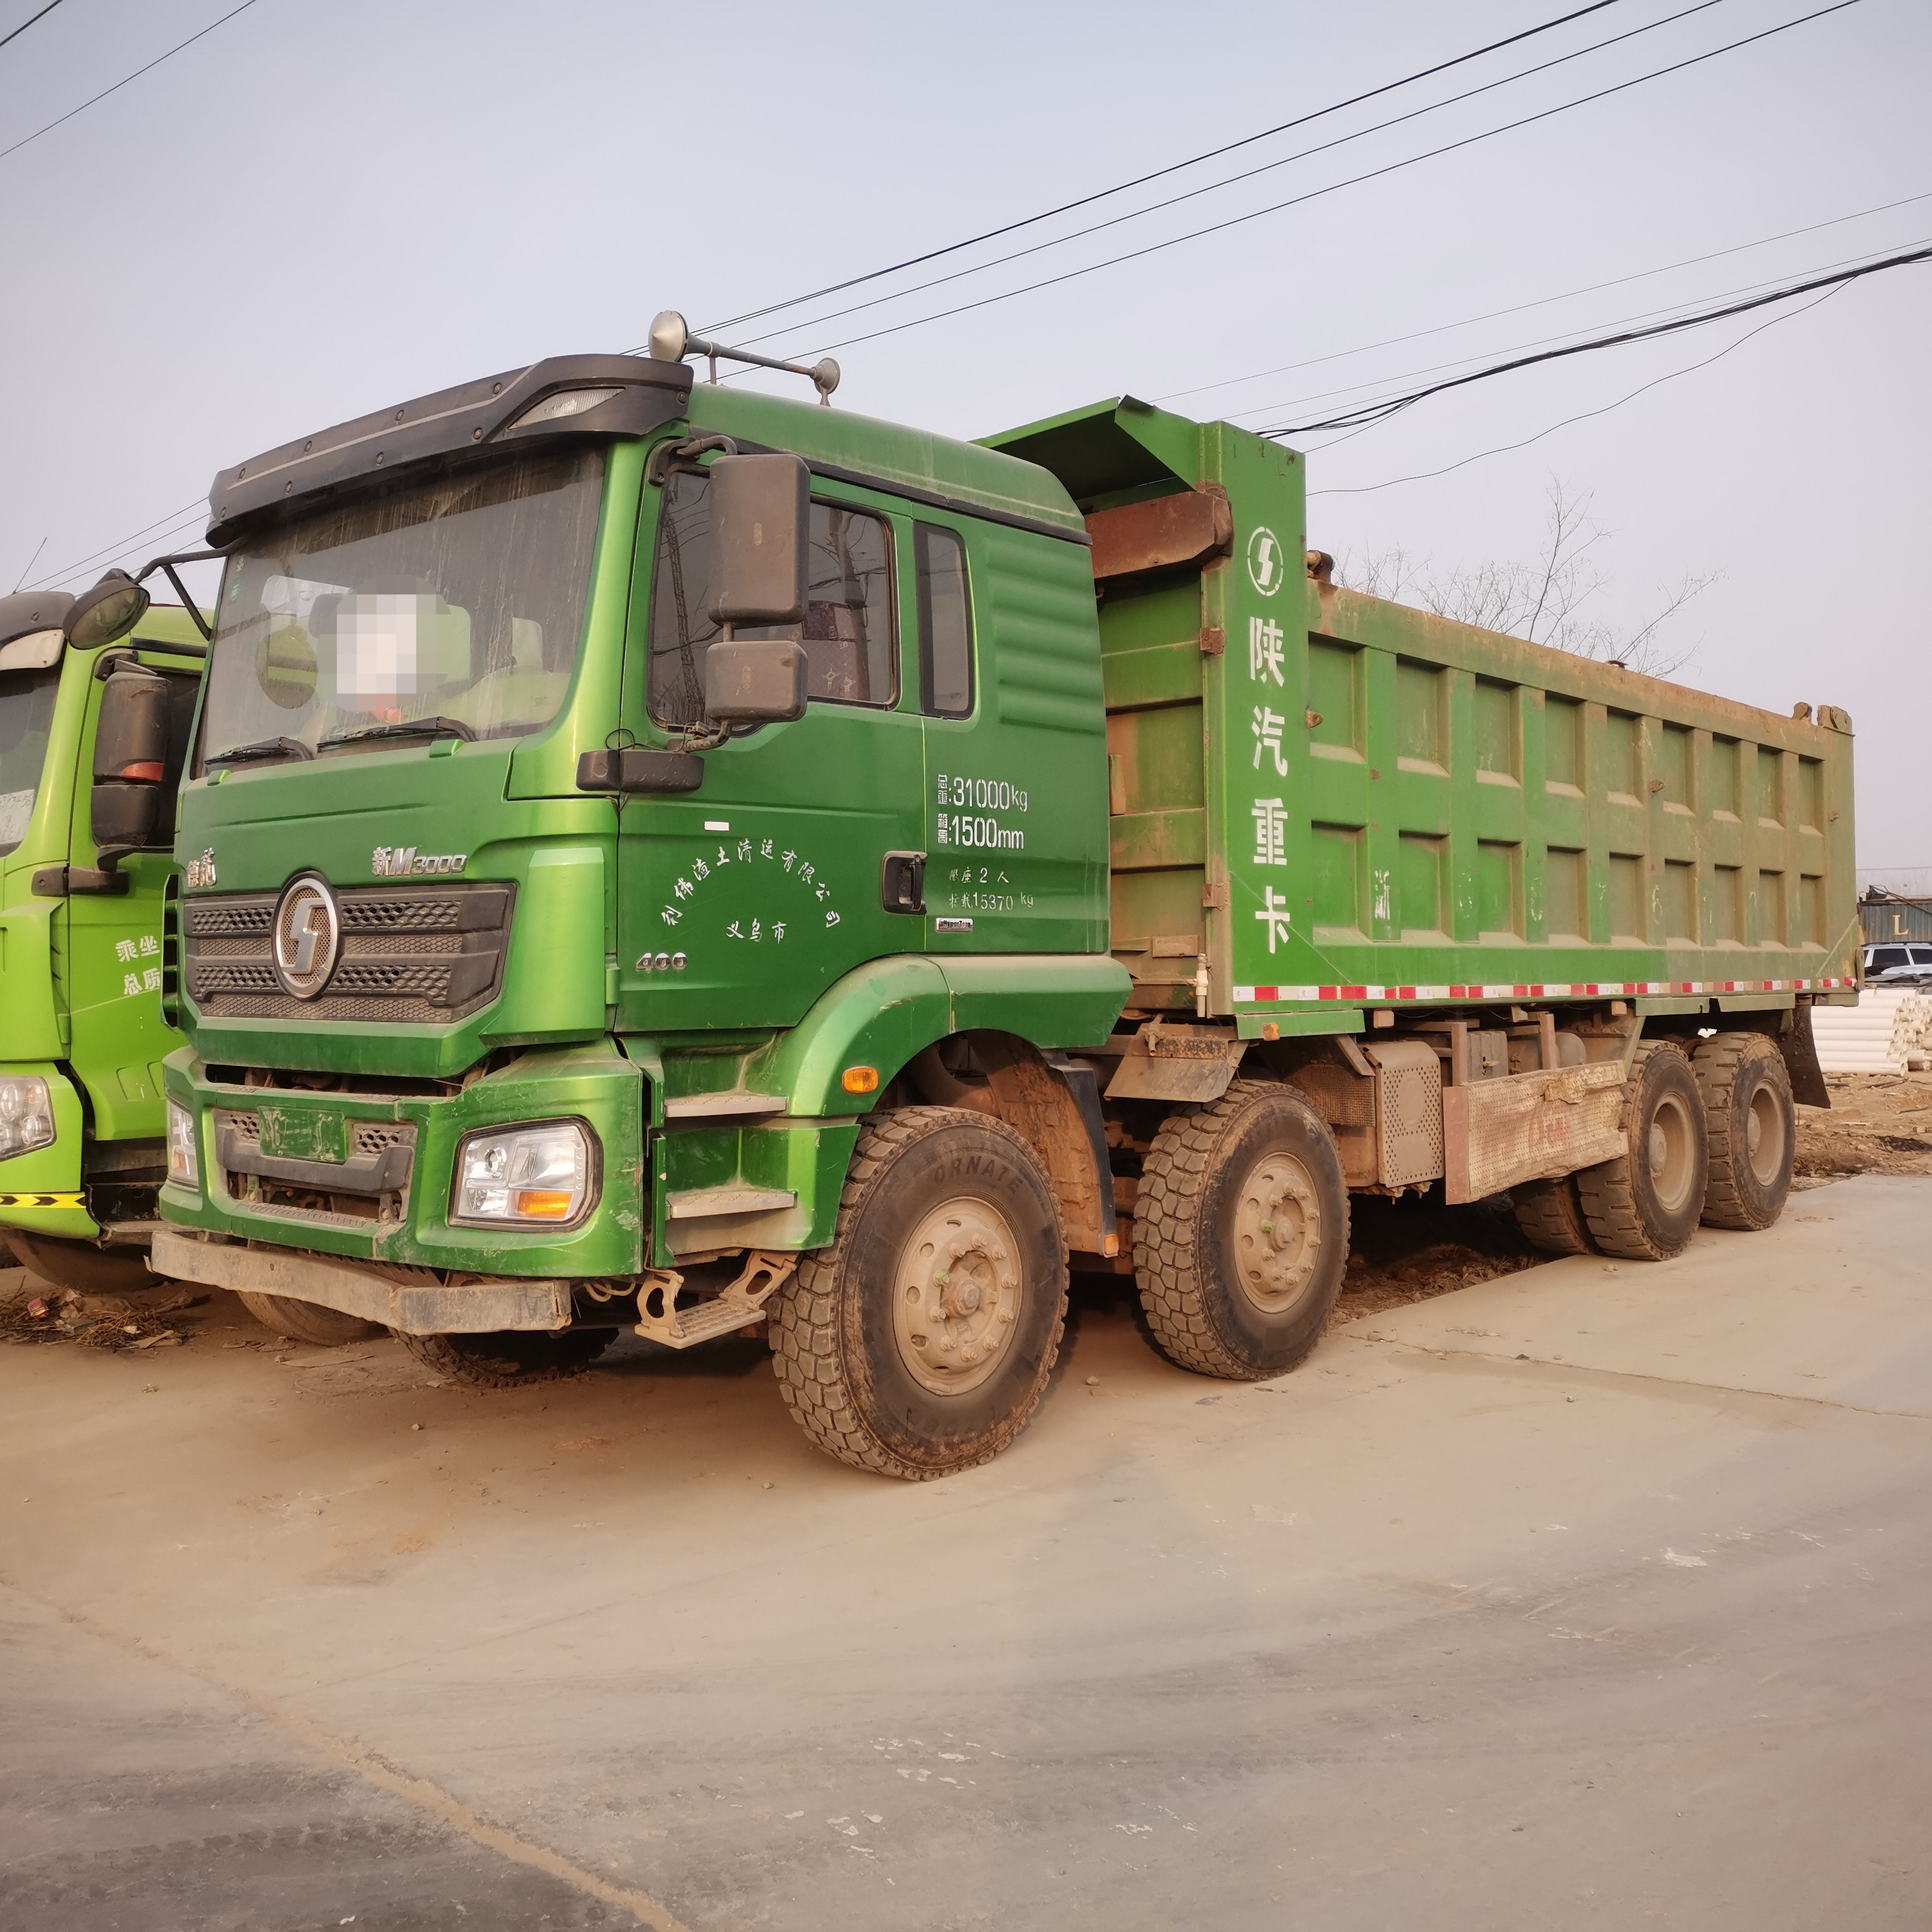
[314, 211]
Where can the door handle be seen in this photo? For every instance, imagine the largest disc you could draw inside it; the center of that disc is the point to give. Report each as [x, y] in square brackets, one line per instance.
[902, 882]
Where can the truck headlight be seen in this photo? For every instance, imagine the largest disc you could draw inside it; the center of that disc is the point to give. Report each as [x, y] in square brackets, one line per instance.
[26, 1115]
[531, 1176]
[183, 1164]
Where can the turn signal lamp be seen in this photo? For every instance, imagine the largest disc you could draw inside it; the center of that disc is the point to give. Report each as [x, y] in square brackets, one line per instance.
[184, 1162]
[525, 1177]
[860, 1080]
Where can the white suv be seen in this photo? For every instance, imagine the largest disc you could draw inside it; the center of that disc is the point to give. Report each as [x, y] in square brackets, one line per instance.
[1896, 963]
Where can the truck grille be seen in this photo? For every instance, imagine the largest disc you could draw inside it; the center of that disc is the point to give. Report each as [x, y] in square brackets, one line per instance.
[428, 954]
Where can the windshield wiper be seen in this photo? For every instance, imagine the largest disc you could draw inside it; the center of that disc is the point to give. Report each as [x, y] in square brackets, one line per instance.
[407, 728]
[263, 747]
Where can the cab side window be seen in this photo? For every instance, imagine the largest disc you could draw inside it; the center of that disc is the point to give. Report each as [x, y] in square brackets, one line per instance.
[849, 644]
[945, 622]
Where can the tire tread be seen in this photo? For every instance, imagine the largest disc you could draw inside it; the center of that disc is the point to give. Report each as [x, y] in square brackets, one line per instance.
[1165, 1267]
[805, 1316]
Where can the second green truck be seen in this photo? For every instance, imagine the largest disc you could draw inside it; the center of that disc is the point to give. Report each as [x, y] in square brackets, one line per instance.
[656, 856]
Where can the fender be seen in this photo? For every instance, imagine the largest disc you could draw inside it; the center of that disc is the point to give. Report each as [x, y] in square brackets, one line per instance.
[881, 1014]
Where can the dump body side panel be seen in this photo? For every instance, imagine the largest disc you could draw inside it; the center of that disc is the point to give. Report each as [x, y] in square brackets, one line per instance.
[1335, 802]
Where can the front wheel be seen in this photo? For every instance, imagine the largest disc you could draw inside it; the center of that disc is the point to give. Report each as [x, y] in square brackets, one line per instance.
[920, 1341]
[81, 1267]
[1241, 1232]
[510, 1357]
[305, 1321]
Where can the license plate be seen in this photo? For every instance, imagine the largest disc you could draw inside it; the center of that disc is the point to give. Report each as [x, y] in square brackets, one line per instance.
[296, 1133]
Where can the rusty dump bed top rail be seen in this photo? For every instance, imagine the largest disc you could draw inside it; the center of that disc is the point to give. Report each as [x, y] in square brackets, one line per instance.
[1322, 800]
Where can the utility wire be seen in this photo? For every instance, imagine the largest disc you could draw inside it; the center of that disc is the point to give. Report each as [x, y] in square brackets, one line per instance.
[120, 84]
[1503, 449]
[29, 21]
[1141, 180]
[1316, 194]
[1541, 301]
[1383, 383]
[1232, 181]
[1380, 411]
[169, 524]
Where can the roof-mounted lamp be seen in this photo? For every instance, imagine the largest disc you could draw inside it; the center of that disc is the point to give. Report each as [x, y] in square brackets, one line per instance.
[672, 341]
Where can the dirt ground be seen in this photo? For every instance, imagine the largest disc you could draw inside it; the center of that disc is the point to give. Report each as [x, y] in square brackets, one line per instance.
[1877, 1123]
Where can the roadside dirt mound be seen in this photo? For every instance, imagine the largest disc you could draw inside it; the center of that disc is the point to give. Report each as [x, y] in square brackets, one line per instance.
[1877, 1123]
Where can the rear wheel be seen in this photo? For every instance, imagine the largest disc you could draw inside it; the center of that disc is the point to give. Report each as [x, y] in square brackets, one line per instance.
[919, 1342]
[81, 1266]
[1645, 1205]
[1241, 1232]
[304, 1322]
[1551, 1216]
[1751, 1127]
[510, 1358]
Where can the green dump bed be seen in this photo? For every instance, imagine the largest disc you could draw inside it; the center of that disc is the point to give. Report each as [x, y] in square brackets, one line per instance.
[1322, 801]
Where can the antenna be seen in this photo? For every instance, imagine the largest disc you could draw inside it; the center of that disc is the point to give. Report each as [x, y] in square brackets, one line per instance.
[672, 341]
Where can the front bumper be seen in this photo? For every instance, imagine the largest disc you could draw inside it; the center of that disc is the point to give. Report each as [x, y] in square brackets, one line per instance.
[41, 1192]
[424, 1307]
[329, 1179]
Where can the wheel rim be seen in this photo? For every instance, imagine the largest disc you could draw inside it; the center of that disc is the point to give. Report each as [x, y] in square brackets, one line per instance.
[1278, 1233]
[956, 1296]
[1764, 1136]
[1672, 1154]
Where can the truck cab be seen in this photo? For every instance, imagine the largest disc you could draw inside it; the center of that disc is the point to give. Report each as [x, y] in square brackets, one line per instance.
[82, 1034]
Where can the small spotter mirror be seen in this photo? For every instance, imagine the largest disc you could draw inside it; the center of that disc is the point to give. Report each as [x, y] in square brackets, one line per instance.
[110, 610]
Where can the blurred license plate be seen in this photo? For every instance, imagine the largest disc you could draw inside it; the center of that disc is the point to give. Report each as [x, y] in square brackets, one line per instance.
[296, 1133]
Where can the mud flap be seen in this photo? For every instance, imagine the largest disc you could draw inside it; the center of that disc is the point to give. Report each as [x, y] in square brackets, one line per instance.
[1801, 1060]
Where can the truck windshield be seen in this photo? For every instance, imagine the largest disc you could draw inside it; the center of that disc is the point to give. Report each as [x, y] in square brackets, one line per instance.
[456, 600]
[26, 716]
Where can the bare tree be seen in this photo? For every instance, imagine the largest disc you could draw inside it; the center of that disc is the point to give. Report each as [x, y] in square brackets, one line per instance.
[1546, 601]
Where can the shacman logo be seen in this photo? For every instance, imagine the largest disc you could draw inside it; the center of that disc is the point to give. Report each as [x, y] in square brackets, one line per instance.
[308, 936]
[403, 862]
[1264, 566]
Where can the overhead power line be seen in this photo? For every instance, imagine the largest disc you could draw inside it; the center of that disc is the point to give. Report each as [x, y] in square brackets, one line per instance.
[29, 21]
[1354, 181]
[1380, 412]
[1387, 387]
[1157, 174]
[1541, 301]
[1248, 174]
[1586, 416]
[166, 526]
[120, 84]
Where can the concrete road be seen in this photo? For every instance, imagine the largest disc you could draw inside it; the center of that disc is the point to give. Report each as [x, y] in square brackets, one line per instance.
[1593, 1596]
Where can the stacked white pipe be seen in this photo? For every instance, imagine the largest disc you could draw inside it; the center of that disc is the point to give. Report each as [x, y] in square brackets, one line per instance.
[1889, 1028]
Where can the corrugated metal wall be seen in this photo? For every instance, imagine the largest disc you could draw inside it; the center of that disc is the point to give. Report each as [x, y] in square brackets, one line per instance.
[1895, 919]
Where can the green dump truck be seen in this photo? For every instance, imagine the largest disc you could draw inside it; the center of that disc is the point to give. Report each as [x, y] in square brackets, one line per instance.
[81, 1037]
[656, 856]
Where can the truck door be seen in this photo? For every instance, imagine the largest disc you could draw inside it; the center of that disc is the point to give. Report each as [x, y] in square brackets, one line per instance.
[112, 967]
[738, 904]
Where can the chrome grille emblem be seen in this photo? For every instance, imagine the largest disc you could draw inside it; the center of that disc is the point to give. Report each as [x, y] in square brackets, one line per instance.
[308, 936]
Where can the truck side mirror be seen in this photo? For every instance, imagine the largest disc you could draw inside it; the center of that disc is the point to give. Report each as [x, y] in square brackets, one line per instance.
[130, 761]
[760, 516]
[110, 610]
[754, 680]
